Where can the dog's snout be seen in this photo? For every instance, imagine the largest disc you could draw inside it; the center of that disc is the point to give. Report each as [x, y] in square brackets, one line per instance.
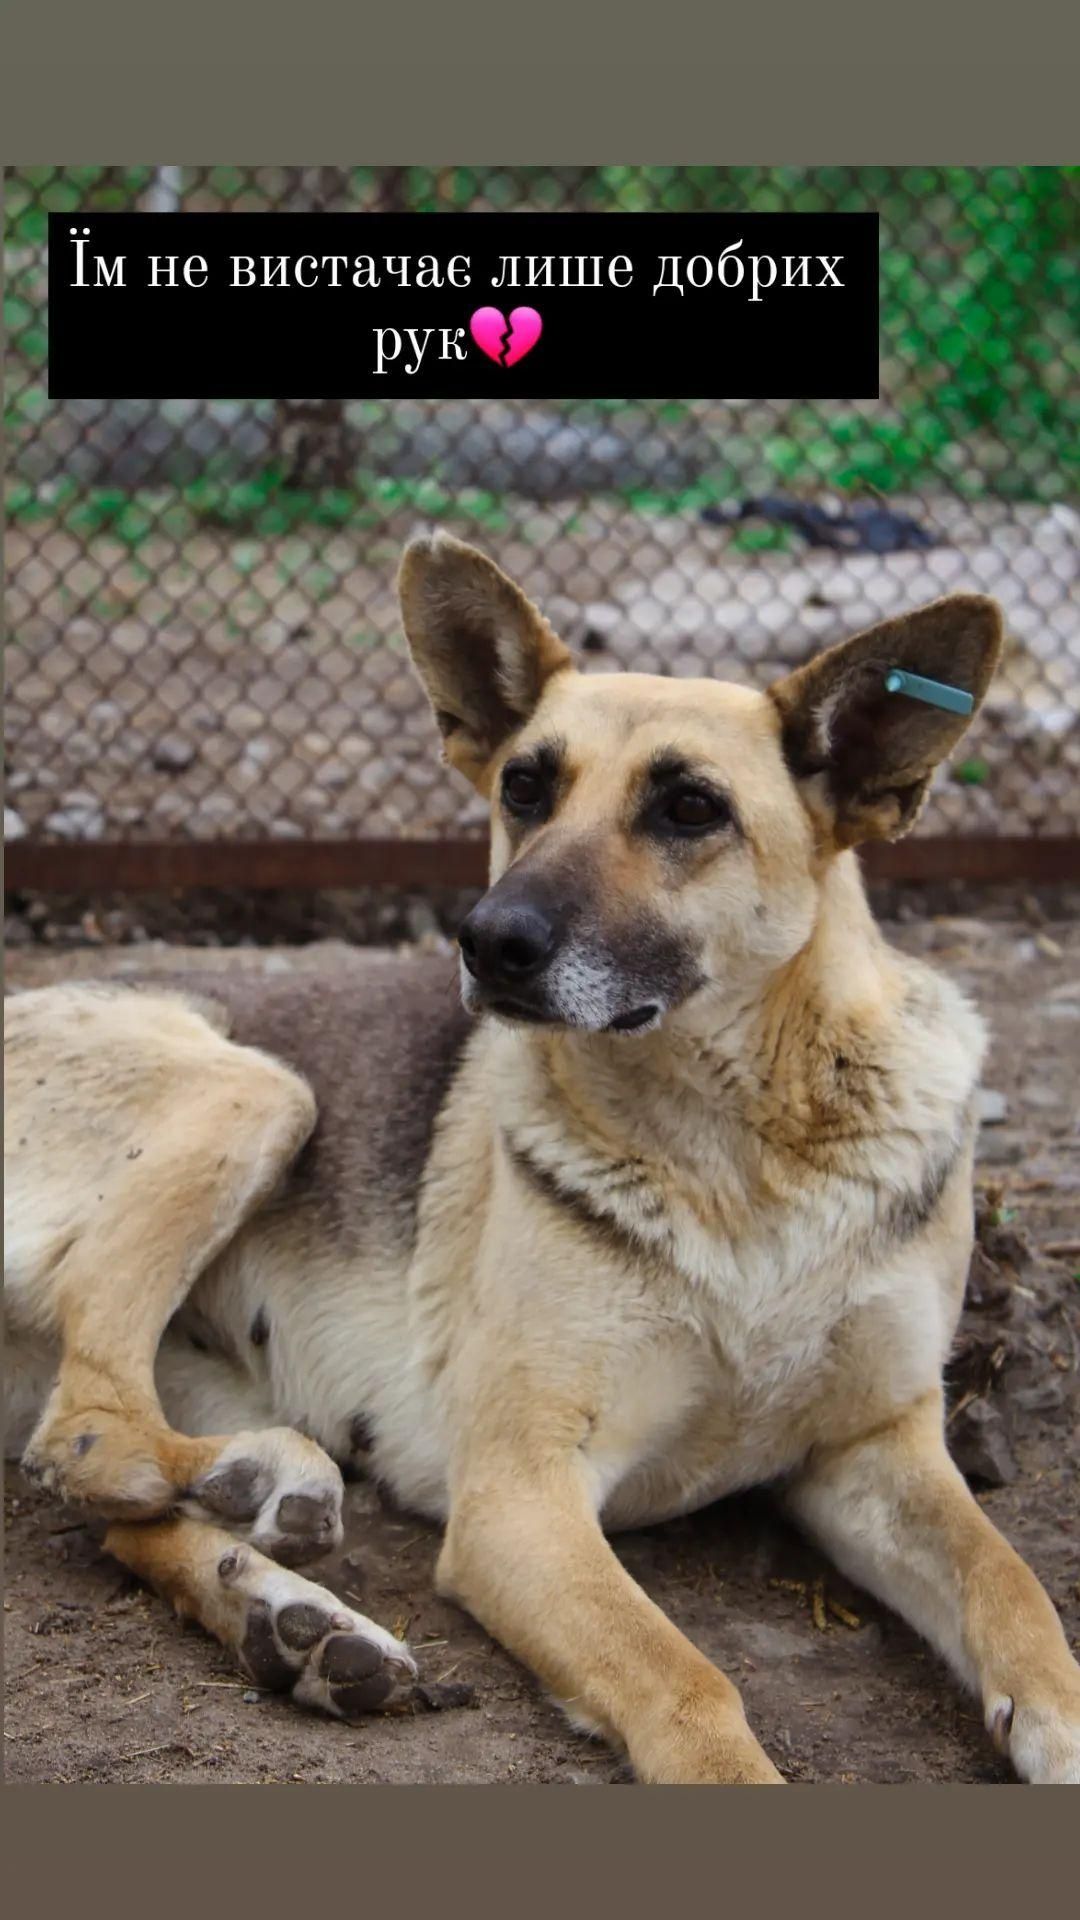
[506, 944]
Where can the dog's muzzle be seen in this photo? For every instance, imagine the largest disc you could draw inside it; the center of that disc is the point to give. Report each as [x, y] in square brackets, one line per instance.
[507, 947]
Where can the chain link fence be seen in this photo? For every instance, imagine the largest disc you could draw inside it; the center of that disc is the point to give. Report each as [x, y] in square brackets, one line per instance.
[204, 643]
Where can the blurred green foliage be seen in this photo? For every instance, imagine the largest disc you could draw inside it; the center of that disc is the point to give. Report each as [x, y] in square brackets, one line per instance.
[980, 317]
[262, 505]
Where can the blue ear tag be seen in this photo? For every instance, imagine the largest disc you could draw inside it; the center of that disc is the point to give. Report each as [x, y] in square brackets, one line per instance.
[933, 692]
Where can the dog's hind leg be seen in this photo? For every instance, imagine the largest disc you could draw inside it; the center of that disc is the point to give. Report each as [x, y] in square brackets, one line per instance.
[286, 1633]
[140, 1141]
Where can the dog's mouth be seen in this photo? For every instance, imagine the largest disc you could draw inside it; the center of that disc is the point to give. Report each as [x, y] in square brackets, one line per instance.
[570, 1005]
[631, 1022]
[507, 1008]
[518, 1010]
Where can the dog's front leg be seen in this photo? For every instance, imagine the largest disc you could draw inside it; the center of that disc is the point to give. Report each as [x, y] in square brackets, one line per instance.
[286, 1633]
[525, 1553]
[895, 1514]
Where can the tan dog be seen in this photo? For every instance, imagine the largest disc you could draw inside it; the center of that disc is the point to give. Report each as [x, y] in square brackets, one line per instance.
[689, 1209]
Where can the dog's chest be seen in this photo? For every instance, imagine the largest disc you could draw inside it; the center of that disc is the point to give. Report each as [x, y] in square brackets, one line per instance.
[743, 1367]
[762, 1307]
[744, 1318]
[759, 1268]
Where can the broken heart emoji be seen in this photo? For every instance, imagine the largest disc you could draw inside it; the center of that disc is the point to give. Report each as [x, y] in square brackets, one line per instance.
[506, 341]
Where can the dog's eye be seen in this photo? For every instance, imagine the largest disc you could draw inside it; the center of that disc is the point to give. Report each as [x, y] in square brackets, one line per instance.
[692, 810]
[522, 789]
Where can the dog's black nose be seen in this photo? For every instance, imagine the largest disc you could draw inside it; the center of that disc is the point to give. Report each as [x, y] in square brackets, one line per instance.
[504, 944]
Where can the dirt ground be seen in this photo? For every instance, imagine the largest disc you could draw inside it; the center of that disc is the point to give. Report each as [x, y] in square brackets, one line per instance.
[103, 1685]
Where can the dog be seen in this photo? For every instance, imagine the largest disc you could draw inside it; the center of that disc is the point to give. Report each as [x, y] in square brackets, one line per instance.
[676, 1201]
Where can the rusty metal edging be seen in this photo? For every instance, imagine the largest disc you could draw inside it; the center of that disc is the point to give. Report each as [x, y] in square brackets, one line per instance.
[83, 867]
[1026, 859]
[303, 865]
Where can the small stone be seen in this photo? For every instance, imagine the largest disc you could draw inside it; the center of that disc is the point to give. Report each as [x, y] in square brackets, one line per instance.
[76, 822]
[172, 754]
[250, 1697]
[1047, 1397]
[1049, 947]
[992, 1107]
[1001, 1150]
[989, 1290]
[955, 930]
[1040, 1097]
[420, 920]
[14, 824]
[1001, 1240]
[980, 1446]
[452, 1693]
[334, 774]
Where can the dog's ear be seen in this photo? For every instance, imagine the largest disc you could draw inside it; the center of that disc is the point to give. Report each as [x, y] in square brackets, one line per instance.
[482, 650]
[865, 756]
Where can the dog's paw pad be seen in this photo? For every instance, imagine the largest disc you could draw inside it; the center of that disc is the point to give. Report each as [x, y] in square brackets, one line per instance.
[303, 1526]
[276, 1489]
[301, 1624]
[264, 1660]
[293, 1637]
[235, 1491]
[358, 1675]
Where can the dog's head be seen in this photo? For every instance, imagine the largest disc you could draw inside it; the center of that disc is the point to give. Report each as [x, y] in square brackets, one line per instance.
[652, 835]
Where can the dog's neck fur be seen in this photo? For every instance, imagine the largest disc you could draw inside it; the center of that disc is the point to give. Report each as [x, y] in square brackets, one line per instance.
[809, 1059]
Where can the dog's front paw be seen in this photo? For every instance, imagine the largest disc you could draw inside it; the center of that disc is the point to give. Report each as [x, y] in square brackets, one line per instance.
[276, 1489]
[1042, 1741]
[100, 1459]
[293, 1637]
[702, 1740]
